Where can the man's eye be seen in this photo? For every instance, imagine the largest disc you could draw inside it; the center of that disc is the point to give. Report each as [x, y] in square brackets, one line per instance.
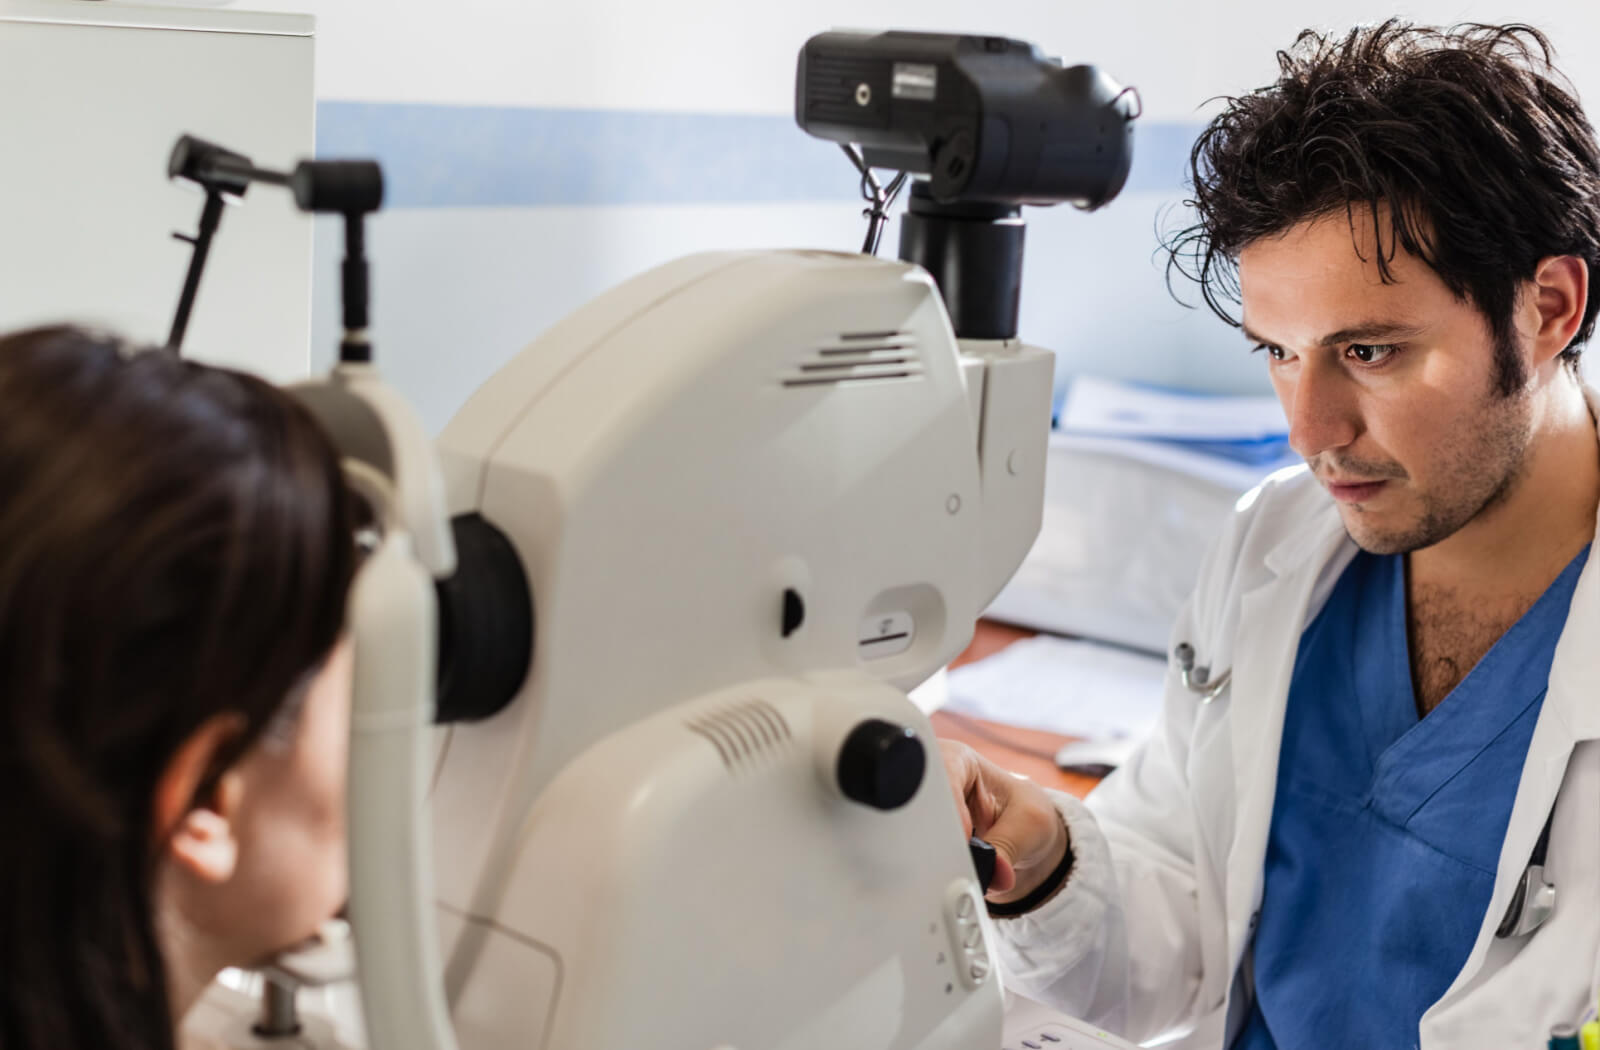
[1372, 353]
[1274, 352]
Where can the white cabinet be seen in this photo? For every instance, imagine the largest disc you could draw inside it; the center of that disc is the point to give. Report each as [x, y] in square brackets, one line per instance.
[92, 96]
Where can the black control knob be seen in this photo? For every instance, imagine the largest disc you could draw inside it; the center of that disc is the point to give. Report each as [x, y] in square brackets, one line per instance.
[983, 861]
[881, 764]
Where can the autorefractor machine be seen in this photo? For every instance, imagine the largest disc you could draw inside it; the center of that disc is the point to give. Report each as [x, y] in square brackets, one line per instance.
[632, 761]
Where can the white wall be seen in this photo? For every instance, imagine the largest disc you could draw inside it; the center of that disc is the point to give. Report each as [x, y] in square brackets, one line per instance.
[737, 56]
[497, 228]
[92, 98]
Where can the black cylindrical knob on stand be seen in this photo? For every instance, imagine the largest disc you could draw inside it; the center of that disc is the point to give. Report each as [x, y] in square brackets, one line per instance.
[881, 764]
[339, 187]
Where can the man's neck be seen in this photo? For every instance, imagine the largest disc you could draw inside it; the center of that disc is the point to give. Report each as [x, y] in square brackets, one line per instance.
[1521, 544]
[1464, 593]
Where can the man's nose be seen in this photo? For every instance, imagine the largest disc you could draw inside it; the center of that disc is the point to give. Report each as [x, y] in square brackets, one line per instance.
[1321, 410]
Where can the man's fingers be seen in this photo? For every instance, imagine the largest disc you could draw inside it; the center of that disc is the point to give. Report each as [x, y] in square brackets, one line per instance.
[961, 769]
[1027, 834]
[983, 791]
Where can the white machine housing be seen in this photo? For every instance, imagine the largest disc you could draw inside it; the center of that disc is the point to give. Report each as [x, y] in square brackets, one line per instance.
[649, 846]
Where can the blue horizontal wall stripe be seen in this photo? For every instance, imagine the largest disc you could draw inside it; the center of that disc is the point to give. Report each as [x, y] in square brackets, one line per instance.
[438, 156]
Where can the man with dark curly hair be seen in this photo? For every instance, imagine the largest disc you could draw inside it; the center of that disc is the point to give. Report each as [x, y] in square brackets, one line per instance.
[1349, 841]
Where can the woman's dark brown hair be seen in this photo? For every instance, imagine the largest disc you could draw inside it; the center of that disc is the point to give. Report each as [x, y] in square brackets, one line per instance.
[175, 543]
[1464, 146]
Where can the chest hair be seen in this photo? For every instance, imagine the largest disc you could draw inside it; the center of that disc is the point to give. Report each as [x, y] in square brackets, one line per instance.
[1450, 632]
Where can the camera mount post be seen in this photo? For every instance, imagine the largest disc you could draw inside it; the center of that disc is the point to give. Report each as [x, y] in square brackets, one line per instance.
[973, 251]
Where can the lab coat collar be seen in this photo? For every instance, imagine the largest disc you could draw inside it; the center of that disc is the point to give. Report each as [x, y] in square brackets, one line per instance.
[1568, 717]
[1272, 615]
[1571, 695]
[1311, 531]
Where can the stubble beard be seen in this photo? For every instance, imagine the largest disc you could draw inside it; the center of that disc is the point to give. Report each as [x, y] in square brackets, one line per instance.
[1473, 478]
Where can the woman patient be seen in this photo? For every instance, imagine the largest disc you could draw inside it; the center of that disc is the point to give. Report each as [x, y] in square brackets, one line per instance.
[175, 550]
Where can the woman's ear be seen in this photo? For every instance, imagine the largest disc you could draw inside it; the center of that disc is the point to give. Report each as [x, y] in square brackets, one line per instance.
[198, 835]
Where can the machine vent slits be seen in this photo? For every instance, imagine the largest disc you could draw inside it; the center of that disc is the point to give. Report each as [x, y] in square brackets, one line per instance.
[857, 357]
[744, 732]
[831, 82]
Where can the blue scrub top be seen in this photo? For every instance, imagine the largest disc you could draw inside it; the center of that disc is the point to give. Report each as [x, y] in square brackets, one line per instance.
[1386, 829]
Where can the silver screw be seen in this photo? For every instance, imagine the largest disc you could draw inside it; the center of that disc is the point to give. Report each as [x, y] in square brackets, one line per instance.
[278, 1016]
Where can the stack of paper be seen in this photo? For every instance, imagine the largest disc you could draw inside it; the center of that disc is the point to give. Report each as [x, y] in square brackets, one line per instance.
[1250, 431]
[1224, 440]
[1066, 686]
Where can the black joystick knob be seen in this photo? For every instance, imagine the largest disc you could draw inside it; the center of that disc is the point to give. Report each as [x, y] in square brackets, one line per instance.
[881, 764]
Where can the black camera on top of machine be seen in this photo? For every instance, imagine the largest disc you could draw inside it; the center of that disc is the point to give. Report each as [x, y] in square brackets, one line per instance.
[984, 118]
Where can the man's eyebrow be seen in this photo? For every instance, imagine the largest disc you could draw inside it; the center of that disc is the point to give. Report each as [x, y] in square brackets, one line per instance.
[1365, 332]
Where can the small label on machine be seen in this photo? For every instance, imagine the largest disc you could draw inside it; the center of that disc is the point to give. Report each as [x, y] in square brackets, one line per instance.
[915, 81]
[885, 634]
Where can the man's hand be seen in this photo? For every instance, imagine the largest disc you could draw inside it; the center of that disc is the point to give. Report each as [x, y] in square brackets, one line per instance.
[1012, 814]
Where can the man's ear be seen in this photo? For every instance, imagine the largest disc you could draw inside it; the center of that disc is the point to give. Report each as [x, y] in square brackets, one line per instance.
[198, 834]
[1560, 290]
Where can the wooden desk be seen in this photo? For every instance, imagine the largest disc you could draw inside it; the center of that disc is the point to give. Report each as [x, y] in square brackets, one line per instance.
[1030, 752]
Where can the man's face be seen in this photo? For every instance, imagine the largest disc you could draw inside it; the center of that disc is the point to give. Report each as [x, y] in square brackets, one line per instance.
[1389, 388]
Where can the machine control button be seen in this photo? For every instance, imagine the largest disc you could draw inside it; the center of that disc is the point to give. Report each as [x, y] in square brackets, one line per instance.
[881, 764]
[794, 611]
[965, 923]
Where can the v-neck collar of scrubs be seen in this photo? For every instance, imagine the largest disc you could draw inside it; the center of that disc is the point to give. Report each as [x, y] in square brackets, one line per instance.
[1386, 828]
[1414, 757]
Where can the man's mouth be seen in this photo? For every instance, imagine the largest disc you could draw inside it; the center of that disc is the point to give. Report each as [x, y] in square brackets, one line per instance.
[1354, 491]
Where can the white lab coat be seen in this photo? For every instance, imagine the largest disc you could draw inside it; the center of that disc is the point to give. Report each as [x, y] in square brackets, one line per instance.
[1152, 932]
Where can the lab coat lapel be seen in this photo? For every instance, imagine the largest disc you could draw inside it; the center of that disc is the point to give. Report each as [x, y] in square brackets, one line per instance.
[1271, 619]
[1568, 717]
